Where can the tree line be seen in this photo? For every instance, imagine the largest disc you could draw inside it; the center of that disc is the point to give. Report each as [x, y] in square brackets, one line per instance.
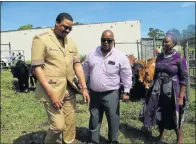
[153, 32]
[29, 26]
[188, 32]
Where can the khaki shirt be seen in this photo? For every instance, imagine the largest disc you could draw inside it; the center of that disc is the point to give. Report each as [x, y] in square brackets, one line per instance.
[57, 63]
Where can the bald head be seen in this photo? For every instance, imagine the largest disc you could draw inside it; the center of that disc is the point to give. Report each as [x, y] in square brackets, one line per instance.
[108, 33]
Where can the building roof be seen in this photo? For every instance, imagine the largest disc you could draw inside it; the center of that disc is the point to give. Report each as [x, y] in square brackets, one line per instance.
[74, 25]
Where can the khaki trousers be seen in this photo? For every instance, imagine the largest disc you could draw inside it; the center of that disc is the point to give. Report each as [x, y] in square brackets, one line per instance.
[62, 125]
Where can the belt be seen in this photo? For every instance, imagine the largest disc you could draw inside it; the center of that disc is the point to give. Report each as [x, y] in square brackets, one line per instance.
[105, 92]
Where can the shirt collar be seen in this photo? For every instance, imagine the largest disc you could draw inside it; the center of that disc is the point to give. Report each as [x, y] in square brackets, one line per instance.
[51, 33]
[98, 50]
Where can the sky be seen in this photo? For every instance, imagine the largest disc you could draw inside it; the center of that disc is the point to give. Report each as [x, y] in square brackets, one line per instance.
[161, 15]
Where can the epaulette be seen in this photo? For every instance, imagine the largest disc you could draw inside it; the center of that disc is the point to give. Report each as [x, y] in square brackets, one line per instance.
[43, 34]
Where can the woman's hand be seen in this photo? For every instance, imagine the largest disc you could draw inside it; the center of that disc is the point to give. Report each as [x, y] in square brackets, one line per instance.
[180, 101]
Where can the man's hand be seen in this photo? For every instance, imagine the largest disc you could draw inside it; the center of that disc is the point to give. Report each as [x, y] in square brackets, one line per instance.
[58, 104]
[81, 77]
[43, 80]
[86, 95]
[125, 98]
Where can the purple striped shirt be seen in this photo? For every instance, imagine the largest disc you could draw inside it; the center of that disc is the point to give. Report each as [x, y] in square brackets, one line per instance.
[105, 73]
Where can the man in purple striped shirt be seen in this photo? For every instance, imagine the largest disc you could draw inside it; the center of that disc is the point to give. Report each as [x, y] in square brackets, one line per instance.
[106, 68]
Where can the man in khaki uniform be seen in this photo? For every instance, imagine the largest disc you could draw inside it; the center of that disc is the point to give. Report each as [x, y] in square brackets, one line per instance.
[56, 62]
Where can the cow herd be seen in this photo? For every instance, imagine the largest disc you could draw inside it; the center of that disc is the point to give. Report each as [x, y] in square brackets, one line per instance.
[143, 73]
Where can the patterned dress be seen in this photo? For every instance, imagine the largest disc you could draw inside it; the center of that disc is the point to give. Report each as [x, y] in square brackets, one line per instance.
[162, 100]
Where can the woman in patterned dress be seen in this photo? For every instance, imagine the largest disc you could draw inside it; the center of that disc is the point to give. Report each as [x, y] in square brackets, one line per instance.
[166, 101]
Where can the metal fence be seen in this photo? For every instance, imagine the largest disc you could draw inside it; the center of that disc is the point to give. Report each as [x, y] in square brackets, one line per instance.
[129, 48]
[145, 47]
[189, 50]
[6, 57]
[8, 46]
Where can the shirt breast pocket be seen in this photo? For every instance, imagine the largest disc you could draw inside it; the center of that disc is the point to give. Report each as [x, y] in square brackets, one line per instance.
[72, 52]
[53, 53]
[112, 69]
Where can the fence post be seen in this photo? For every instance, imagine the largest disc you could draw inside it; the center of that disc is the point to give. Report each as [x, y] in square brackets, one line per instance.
[186, 52]
[138, 53]
[145, 51]
[141, 49]
[154, 47]
[9, 48]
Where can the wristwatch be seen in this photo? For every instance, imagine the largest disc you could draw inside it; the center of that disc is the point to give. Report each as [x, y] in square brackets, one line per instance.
[84, 88]
[126, 93]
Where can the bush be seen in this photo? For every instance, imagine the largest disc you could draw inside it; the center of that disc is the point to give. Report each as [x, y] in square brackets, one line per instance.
[28, 62]
[82, 58]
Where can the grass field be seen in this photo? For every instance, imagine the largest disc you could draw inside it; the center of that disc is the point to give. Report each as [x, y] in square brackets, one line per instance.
[23, 119]
[192, 72]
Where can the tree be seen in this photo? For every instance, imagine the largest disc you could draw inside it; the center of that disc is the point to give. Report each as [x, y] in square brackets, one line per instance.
[155, 33]
[78, 23]
[82, 58]
[38, 27]
[25, 27]
[177, 33]
[184, 34]
[189, 31]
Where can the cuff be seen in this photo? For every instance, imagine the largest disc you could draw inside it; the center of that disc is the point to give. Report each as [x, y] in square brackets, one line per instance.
[126, 90]
[37, 62]
[183, 83]
[76, 60]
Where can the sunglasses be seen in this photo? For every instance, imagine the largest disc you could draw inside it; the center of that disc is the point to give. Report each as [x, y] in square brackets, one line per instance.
[106, 39]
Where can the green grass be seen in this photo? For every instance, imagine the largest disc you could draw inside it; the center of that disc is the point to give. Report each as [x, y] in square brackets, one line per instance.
[23, 118]
[192, 72]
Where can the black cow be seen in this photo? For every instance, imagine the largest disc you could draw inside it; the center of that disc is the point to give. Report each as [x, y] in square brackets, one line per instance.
[138, 89]
[21, 72]
[32, 76]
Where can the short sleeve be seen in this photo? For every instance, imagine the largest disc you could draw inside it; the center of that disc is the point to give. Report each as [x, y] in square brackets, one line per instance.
[183, 71]
[37, 52]
[76, 58]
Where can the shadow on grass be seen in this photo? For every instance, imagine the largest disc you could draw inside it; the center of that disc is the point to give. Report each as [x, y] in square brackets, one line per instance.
[134, 134]
[82, 136]
[31, 138]
[15, 85]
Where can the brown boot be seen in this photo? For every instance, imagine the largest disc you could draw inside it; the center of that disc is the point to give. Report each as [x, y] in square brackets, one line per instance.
[180, 139]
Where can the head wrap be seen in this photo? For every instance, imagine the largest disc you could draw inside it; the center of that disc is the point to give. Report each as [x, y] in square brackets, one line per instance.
[172, 36]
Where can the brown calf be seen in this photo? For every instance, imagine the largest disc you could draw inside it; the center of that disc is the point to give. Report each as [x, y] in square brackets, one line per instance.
[141, 70]
[131, 59]
[149, 72]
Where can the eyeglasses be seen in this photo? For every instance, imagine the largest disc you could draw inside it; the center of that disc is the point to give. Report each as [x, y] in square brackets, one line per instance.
[109, 40]
[67, 27]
